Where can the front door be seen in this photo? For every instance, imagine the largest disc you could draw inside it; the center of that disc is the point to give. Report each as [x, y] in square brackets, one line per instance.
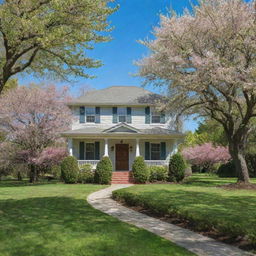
[122, 157]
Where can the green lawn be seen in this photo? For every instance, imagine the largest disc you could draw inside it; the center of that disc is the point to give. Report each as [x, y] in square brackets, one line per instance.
[55, 219]
[201, 202]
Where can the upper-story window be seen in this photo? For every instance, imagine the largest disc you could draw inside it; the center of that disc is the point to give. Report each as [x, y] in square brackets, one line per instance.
[156, 118]
[122, 115]
[90, 115]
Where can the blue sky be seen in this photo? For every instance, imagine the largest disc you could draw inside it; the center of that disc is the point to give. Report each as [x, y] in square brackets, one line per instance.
[133, 21]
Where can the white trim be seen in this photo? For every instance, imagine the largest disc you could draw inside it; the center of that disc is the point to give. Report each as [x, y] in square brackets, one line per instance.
[113, 128]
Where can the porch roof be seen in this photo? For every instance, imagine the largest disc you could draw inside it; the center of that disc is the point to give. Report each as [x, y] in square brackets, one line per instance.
[103, 133]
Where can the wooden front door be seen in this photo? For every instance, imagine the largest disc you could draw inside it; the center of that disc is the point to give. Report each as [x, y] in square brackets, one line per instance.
[122, 157]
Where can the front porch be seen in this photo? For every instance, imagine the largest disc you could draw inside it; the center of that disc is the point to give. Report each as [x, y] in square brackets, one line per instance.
[122, 151]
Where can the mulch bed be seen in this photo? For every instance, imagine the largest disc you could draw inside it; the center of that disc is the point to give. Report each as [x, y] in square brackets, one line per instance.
[240, 241]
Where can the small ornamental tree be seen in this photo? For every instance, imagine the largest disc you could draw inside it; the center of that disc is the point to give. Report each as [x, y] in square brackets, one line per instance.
[177, 168]
[69, 170]
[32, 119]
[206, 155]
[103, 172]
[207, 59]
[140, 170]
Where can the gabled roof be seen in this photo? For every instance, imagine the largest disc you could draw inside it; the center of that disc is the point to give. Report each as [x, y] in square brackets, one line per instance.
[122, 127]
[118, 95]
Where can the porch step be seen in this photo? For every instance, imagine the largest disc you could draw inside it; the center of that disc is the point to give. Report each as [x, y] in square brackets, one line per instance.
[122, 178]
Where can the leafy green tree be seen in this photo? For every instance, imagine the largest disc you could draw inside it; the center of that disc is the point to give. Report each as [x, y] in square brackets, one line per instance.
[213, 131]
[49, 37]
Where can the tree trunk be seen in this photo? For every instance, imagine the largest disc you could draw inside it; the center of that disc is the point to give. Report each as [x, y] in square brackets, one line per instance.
[19, 176]
[33, 174]
[240, 164]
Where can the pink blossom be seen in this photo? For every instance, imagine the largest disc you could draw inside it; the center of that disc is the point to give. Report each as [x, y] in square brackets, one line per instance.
[32, 119]
[206, 154]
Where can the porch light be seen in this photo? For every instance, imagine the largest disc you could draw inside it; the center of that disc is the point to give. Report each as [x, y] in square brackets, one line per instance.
[131, 148]
[112, 148]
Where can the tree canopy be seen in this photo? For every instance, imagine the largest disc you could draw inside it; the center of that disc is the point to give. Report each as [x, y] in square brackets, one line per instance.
[49, 37]
[32, 119]
[207, 57]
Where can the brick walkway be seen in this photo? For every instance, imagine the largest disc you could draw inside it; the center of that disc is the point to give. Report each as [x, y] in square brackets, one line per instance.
[192, 241]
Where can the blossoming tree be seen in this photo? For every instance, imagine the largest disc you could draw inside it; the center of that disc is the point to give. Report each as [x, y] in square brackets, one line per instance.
[207, 58]
[206, 155]
[32, 119]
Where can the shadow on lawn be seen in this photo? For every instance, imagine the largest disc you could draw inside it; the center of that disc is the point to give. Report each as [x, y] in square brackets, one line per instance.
[16, 183]
[67, 226]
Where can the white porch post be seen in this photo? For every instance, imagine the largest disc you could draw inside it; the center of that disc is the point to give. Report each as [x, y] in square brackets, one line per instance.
[175, 147]
[137, 147]
[70, 146]
[106, 148]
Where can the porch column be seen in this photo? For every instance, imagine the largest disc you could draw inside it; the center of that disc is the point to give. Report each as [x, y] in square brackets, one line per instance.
[175, 147]
[137, 147]
[70, 146]
[106, 148]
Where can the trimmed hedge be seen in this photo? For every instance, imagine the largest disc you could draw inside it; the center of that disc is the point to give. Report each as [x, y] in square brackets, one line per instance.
[177, 168]
[69, 169]
[158, 173]
[140, 170]
[103, 172]
[86, 174]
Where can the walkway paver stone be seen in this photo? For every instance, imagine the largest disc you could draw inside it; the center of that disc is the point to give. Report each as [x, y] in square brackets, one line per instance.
[194, 242]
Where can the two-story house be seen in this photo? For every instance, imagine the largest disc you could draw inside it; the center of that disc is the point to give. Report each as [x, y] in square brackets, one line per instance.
[121, 122]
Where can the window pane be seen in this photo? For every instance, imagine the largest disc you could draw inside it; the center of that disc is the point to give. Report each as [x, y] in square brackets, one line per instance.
[155, 119]
[90, 119]
[90, 152]
[122, 119]
[121, 111]
[155, 151]
[90, 111]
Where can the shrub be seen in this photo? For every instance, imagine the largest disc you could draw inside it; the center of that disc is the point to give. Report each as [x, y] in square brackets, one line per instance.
[140, 170]
[227, 170]
[56, 171]
[86, 174]
[69, 169]
[158, 173]
[85, 167]
[103, 172]
[177, 168]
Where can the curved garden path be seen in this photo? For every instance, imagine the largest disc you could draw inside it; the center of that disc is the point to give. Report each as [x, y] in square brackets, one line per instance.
[196, 243]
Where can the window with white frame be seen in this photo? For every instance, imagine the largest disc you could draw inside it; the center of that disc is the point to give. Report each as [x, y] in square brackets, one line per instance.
[155, 151]
[90, 151]
[155, 118]
[90, 115]
[122, 112]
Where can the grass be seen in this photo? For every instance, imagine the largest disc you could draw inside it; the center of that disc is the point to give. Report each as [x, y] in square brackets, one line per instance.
[231, 212]
[55, 219]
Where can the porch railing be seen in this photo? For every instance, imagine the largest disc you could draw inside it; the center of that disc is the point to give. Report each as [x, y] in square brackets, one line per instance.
[155, 162]
[92, 162]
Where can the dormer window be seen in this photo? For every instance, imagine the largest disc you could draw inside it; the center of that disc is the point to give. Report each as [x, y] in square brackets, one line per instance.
[122, 112]
[90, 115]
